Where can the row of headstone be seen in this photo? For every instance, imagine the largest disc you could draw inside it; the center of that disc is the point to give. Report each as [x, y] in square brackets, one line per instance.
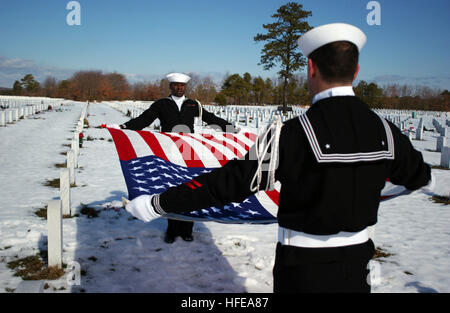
[130, 108]
[133, 109]
[252, 116]
[57, 209]
[257, 116]
[441, 143]
[10, 116]
[412, 114]
[10, 102]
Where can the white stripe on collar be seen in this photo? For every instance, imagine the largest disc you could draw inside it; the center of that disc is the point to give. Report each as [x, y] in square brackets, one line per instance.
[322, 157]
[333, 92]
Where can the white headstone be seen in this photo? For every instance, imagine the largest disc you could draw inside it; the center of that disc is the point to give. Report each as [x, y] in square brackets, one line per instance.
[55, 235]
[10, 116]
[440, 143]
[419, 130]
[71, 166]
[445, 157]
[74, 146]
[64, 190]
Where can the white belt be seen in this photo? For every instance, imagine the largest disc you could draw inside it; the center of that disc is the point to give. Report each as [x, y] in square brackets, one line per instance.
[299, 239]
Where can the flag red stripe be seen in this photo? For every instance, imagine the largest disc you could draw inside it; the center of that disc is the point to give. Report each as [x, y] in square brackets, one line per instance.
[154, 144]
[274, 195]
[123, 145]
[196, 183]
[251, 136]
[190, 156]
[221, 158]
[235, 139]
[235, 151]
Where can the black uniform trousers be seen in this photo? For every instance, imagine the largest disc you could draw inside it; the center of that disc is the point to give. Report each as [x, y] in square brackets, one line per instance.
[179, 228]
[319, 270]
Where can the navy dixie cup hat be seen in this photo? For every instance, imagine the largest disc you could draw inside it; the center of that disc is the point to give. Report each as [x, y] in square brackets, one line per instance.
[325, 34]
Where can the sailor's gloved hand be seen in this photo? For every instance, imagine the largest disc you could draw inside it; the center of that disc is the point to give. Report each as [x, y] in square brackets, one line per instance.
[142, 208]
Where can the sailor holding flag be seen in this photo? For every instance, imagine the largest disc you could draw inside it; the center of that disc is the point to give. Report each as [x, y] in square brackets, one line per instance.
[176, 114]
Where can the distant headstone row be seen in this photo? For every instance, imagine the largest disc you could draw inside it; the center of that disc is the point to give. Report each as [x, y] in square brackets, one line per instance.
[260, 116]
[10, 102]
[12, 108]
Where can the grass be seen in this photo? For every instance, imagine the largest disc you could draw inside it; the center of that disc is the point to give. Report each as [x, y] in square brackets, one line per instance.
[33, 268]
[42, 213]
[381, 253]
[52, 183]
[438, 167]
[90, 212]
[441, 199]
[55, 183]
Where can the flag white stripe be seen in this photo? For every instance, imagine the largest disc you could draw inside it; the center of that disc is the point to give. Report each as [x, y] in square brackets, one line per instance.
[266, 202]
[170, 149]
[227, 151]
[245, 140]
[231, 143]
[140, 147]
[205, 155]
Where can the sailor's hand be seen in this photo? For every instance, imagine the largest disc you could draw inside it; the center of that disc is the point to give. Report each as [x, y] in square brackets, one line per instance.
[142, 208]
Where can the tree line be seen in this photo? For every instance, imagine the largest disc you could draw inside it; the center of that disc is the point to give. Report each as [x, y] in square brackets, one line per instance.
[96, 85]
[235, 89]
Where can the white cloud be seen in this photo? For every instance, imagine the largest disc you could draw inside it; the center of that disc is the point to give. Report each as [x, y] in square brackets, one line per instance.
[12, 69]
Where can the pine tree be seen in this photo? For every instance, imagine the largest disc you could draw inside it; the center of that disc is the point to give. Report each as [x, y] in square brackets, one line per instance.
[17, 88]
[281, 47]
[29, 83]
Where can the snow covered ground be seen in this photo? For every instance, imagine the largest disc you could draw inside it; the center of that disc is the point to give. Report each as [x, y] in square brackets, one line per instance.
[120, 254]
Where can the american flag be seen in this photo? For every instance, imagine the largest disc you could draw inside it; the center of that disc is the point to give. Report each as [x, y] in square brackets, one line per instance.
[152, 162]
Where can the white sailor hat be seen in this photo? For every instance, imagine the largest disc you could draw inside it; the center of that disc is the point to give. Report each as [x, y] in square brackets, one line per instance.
[325, 34]
[178, 78]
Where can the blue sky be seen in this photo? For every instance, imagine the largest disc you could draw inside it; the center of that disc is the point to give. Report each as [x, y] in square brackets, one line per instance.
[147, 39]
